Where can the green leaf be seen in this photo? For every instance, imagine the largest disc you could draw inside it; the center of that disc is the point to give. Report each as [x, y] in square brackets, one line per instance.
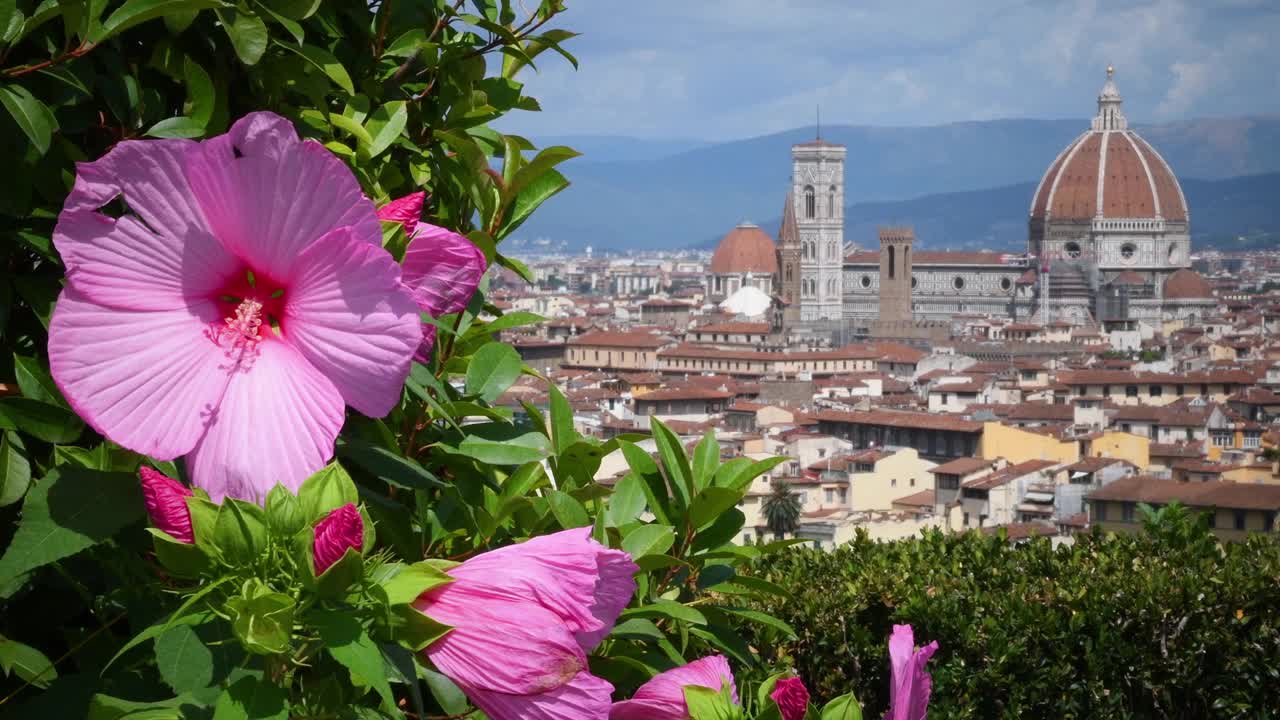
[28, 663]
[492, 370]
[50, 423]
[533, 195]
[134, 12]
[324, 61]
[248, 34]
[184, 662]
[627, 501]
[723, 530]
[667, 608]
[201, 93]
[351, 646]
[295, 9]
[342, 122]
[252, 698]
[845, 707]
[186, 560]
[414, 630]
[409, 581]
[32, 116]
[569, 513]
[105, 707]
[674, 462]
[761, 618]
[648, 540]
[562, 430]
[706, 458]
[544, 161]
[326, 491]
[69, 510]
[15, 469]
[451, 698]
[514, 451]
[385, 125]
[655, 486]
[704, 703]
[710, 503]
[36, 382]
[390, 467]
[240, 531]
[177, 127]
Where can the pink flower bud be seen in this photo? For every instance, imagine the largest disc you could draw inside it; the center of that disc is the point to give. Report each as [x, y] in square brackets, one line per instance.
[167, 504]
[792, 698]
[405, 210]
[341, 529]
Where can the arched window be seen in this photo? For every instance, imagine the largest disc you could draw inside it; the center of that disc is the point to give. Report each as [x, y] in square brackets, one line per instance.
[810, 202]
[892, 262]
[831, 202]
[790, 273]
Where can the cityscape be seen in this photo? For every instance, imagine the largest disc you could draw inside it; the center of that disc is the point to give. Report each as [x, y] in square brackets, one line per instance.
[1034, 393]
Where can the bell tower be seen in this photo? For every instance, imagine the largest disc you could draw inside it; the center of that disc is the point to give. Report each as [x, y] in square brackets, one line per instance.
[789, 263]
[895, 274]
[817, 198]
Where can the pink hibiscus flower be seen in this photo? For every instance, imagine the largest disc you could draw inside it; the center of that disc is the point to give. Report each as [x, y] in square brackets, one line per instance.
[662, 698]
[791, 697]
[911, 684]
[442, 267]
[230, 315]
[524, 618]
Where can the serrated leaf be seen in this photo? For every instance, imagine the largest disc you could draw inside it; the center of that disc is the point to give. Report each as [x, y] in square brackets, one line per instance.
[26, 662]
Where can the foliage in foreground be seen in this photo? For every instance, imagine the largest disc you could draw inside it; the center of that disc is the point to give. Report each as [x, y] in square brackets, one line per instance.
[1166, 623]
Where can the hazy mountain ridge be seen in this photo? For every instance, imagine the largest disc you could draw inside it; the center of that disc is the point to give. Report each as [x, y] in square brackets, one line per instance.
[678, 200]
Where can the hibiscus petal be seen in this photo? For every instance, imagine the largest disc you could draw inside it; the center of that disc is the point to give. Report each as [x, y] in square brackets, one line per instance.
[710, 672]
[349, 315]
[405, 210]
[145, 380]
[268, 195]
[443, 269]
[537, 652]
[585, 697]
[276, 424]
[583, 582]
[157, 255]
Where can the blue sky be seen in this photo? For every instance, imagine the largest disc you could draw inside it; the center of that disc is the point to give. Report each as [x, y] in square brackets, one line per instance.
[724, 69]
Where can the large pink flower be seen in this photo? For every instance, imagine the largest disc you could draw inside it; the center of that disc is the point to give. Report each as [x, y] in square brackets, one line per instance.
[662, 698]
[911, 684]
[524, 618]
[228, 315]
[442, 267]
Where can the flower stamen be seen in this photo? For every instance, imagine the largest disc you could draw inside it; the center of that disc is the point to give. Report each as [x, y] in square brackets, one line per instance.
[240, 333]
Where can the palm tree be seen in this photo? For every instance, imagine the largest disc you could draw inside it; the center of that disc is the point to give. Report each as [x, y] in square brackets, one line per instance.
[782, 509]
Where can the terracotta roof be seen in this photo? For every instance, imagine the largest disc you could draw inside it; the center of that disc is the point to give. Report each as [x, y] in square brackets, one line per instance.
[962, 466]
[1021, 531]
[1128, 277]
[620, 339]
[1133, 182]
[1008, 474]
[684, 393]
[745, 249]
[734, 328]
[1228, 495]
[1187, 285]
[924, 498]
[1124, 377]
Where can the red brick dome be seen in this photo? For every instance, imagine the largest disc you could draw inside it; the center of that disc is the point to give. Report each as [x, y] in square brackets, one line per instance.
[1109, 172]
[745, 249]
[1187, 285]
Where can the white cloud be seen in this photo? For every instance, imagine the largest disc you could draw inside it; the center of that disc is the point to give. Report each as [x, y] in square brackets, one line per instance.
[1191, 80]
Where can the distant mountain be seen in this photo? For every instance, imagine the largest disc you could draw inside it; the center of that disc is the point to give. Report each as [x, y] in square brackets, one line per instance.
[636, 194]
[619, 148]
[996, 218]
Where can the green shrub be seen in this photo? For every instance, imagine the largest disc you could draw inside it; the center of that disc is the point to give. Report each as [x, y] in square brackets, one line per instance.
[1168, 623]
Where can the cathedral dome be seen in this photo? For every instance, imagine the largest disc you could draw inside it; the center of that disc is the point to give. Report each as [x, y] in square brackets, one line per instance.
[746, 249]
[1187, 285]
[1109, 172]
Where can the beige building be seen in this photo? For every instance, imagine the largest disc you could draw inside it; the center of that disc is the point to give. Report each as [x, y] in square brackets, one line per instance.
[628, 351]
[1123, 387]
[1236, 509]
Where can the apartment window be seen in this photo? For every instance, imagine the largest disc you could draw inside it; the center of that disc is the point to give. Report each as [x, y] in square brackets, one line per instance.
[1269, 522]
[913, 482]
[1181, 389]
[1126, 427]
[1131, 391]
[1239, 518]
[966, 519]
[1157, 390]
[1204, 389]
[1221, 439]
[1213, 517]
[1252, 440]
[1126, 511]
[1100, 510]
[893, 482]
[831, 495]
[1190, 434]
[746, 538]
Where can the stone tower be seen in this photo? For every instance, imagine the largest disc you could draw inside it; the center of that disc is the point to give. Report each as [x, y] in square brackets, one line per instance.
[789, 263]
[817, 196]
[895, 274]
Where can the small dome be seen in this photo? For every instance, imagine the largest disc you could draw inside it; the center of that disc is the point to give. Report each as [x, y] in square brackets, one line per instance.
[745, 249]
[1187, 285]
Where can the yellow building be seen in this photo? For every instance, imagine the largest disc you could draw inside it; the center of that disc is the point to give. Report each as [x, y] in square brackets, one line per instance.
[1236, 509]
[1134, 449]
[1016, 446]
